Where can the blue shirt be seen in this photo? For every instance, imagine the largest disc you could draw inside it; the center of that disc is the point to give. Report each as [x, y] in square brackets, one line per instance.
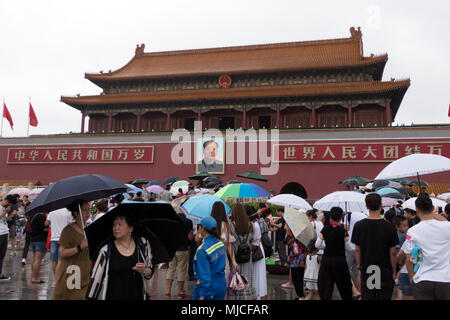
[209, 266]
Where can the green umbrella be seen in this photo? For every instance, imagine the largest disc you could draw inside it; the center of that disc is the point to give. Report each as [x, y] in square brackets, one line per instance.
[361, 180]
[200, 176]
[180, 183]
[252, 175]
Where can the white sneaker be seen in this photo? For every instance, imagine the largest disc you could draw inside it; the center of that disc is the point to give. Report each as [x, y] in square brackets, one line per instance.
[4, 278]
[53, 284]
[24, 261]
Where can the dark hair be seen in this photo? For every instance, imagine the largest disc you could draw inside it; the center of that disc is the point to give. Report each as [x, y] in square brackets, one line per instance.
[205, 144]
[218, 213]
[167, 187]
[424, 204]
[251, 213]
[130, 219]
[281, 209]
[397, 220]
[373, 201]
[75, 206]
[410, 211]
[336, 213]
[102, 205]
[262, 205]
[312, 246]
[240, 219]
[447, 208]
[312, 213]
[118, 198]
[12, 199]
[389, 215]
[180, 190]
[139, 193]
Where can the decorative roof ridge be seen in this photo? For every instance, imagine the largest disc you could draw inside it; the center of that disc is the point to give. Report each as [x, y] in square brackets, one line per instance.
[399, 83]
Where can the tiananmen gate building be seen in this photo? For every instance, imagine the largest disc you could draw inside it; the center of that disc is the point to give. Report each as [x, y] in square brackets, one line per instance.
[327, 99]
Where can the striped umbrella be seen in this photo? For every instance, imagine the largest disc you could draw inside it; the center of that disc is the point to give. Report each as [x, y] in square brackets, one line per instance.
[242, 190]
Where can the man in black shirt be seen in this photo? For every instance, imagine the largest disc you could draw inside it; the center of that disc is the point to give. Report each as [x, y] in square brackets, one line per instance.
[375, 249]
[38, 244]
[178, 267]
[280, 234]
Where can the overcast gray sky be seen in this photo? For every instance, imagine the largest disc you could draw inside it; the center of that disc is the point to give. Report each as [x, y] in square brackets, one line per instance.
[47, 45]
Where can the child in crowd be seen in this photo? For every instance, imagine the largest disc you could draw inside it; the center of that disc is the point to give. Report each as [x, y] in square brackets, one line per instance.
[296, 260]
[312, 272]
[404, 293]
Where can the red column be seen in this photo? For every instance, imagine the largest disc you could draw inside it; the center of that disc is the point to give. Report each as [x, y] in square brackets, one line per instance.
[83, 116]
[91, 122]
[110, 122]
[244, 119]
[388, 114]
[168, 121]
[350, 115]
[313, 116]
[138, 124]
[278, 117]
[199, 115]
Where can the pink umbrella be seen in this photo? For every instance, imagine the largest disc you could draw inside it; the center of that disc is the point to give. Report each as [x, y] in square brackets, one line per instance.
[388, 202]
[155, 189]
[20, 191]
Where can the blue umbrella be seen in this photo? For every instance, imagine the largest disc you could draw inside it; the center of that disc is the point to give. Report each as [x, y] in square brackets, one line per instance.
[134, 189]
[87, 187]
[201, 205]
[385, 191]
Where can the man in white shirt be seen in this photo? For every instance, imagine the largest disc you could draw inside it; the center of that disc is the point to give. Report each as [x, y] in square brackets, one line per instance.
[432, 279]
[349, 222]
[57, 220]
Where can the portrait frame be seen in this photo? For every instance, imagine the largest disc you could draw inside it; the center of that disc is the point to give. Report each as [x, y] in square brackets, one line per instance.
[220, 156]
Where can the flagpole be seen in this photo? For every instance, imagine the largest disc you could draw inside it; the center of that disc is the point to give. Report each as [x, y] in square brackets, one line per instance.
[28, 128]
[3, 113]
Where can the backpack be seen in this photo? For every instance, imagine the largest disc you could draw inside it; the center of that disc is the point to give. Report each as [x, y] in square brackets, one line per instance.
[244, 251]
[265, 239]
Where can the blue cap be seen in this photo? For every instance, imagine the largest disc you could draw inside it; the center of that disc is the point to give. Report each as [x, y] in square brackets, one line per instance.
[209, 223]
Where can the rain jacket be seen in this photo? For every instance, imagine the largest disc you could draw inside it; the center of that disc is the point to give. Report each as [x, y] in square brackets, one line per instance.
[209, 270]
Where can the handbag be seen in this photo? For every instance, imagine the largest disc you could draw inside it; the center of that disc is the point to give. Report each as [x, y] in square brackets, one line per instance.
[238, 282]
[256, 253]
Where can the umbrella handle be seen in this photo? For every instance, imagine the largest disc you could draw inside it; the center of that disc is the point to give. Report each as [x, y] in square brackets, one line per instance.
[81, 217]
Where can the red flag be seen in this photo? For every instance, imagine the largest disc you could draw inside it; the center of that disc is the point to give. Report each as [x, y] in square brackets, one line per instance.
[33, 118]
[7, 116]
[449, 110]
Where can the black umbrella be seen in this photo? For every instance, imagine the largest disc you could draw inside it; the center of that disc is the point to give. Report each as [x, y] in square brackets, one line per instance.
[233, 181]
[211, 180]
[86, 187]
[394, 195]
[170, 180]
[350, 182]
[200, 176]
[406, 191]
[156, 221]
[417, 183]
[380, 183]
[140, 181]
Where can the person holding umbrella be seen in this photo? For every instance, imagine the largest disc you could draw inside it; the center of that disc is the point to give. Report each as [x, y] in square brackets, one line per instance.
[122, 265]
[209, 263]
[72, 276]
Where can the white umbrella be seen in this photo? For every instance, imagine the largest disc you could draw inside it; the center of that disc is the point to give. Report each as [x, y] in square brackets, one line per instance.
[414, 165]
[411, 203]
[349, 201]
[174, 190]
[388, 202]
[300, 226]
[369, 185]
[290, 201]
[444, 196]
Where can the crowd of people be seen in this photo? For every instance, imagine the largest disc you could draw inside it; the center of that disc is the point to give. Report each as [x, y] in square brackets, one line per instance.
[366, 255]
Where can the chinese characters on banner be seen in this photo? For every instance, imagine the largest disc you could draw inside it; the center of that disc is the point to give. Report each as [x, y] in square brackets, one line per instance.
[357, 152]
[81, 154]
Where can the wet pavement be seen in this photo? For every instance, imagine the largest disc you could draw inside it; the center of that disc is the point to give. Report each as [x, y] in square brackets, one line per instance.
[21, 288]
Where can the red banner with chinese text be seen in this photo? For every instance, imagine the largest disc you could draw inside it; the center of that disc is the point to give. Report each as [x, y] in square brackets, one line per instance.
[356, 152]
[81, 154]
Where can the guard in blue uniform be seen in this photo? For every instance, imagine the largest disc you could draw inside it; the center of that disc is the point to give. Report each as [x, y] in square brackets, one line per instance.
[209, 264]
